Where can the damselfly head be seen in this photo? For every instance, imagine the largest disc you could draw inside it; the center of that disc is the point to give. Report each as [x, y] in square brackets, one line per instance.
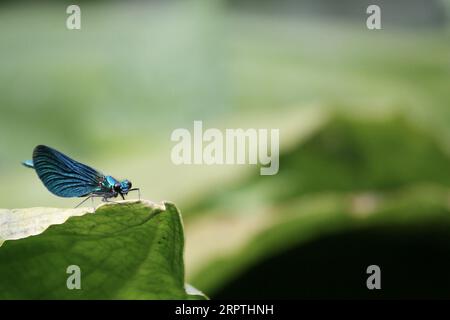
[125, 186]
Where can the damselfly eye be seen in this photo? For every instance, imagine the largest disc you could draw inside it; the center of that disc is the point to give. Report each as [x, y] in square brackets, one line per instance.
[129, 184]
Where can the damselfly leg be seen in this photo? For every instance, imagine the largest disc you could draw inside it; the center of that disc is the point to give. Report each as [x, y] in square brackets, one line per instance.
[92, 196]
[138, 190]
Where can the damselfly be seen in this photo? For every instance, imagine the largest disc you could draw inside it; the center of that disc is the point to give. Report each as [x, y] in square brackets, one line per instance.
[68, 178]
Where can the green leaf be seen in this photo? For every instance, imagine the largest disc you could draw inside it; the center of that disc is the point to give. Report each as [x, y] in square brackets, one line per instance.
[21, 223]
[132, 250]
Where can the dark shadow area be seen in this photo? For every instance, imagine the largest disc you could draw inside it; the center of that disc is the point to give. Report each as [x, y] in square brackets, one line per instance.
[414, 263]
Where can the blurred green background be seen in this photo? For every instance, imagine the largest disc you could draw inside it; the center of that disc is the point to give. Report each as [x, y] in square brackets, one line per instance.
[364, 119]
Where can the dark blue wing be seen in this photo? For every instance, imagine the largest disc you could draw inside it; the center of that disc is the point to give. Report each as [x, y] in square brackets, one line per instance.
[63, 176]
